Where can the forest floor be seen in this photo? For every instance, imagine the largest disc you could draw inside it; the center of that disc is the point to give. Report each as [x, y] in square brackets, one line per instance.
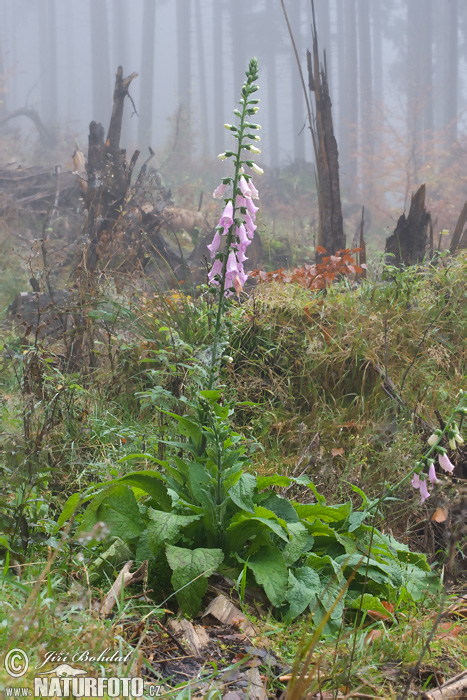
[344, 387]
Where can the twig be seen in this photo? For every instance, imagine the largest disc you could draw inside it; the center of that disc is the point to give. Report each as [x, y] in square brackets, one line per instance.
[172, 637]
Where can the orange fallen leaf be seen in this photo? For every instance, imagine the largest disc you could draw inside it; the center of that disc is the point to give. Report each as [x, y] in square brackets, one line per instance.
[440, 515]
[337, 451]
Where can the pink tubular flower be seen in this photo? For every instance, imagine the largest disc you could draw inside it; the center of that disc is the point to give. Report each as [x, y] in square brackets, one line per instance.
[240, 201]
[251, 208]
[226, 219]
[445, 463]
[219, 191]
[253, 190]
[249, 224]
[216, 269]
[245, 187]
[214, 247]
[232, 264]
[432, 474]
[424, 493]
[241, 257]
[242, 235]
[416, 481]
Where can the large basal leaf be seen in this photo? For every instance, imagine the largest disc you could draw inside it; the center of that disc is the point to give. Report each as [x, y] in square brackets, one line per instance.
[245, 527]
[121, 514]
[304, 586]
[164, 528]
[324, 563]
[188, 428]
[241, 493]
[281, 507]
[152, 483]
[271, 573]
[299, 543]
[328, 514]
[372, 603]
[90, 517]
[191, 569]
[419, 583]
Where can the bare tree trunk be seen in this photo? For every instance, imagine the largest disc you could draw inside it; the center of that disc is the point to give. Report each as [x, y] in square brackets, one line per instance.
[184, 73]
[52, 51]
[271, 81]
[298, 106]
[426, 61]
[331, 234]
[415, 8]
[343, 92]
[407, 245]
[147, 74]
[218, 76]
[101, 80]
[351, 123]
[451, 74]
[366, 99]
[203, 92]
[119, 46]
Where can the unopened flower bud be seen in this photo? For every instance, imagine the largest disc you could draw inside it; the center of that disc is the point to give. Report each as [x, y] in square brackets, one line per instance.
[222, 156]
[459, 439]
[433, 439]
[230, 127]
[452, 444]
[253, 149]
[257, 169]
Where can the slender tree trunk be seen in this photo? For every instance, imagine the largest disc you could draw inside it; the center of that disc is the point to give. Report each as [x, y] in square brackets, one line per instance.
[52, 50]
[414, 89]
[426, 61]
[351, 123]
[184, 73]
[451, 76]
[120, 52]
[343, 93]
[271, 81]
[237, 23]
[366, 98]
[147, 74]
[298, 108]
[218, 76]
[203, 92]
[323, 22]
[101, 80]
[43, 60]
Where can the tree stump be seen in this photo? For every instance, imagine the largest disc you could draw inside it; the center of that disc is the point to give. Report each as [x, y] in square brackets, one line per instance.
[407, 245]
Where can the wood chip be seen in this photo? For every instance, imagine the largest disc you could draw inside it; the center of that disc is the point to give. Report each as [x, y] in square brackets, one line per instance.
[195, 637]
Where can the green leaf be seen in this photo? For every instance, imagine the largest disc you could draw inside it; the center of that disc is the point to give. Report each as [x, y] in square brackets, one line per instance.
[152, 483]
[328, 514]
[191, 569]
[369, 602]
[320, 563]
[188, 428]
[299, 543]
[68, 509]
[245, 526]
[264, 482]
[270, 572]
[304, 586]
[241, 493]
[120, 512]
[165, 528]
[281, 507]
[90, 517]
[419, 584]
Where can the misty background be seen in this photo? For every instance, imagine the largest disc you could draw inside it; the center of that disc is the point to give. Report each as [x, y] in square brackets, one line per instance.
[396, 68]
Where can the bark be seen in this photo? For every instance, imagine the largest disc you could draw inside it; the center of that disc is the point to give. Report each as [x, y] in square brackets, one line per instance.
[184, 73]
[52, 55]
[451, 72]
[407, 245]
[271, 82]
[366, 98]
[218, 76]
[426, 79]
[342, 86]
[298, 107]
[415, 9]
[101, 80]
[456, 236]
[147, 73]
[331, 233]
[351, 101]
[203, 92]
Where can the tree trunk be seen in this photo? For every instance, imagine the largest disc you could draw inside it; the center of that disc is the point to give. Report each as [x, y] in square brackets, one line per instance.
[218, 76]
[451, 72]
[407, 245]
[203, 91]
[53, 117]
[343, 92]
[351, 101]
[331, 232]
[426, 79]
[101, 80]
[147, 74]
[184, 74]
[271, 82]
[415, 9]
[298, 107]
[366, 99]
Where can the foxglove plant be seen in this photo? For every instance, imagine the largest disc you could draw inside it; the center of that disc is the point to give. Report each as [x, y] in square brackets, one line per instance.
[236, 226]
[452, 433]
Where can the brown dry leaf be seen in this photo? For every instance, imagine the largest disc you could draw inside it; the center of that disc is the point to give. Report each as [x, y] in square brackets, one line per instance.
[373, 635]
[440, 515]
[446, 630]
[337, 451]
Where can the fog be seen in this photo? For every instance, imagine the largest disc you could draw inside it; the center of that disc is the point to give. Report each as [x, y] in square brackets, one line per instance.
[396, 68]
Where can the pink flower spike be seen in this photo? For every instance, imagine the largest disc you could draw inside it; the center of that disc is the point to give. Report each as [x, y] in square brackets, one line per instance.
[253, 190]
[241, 257]
[219, 191]
[245, 187]
[251, 208]
[240, 201]
[416, 481]
[424, 493]
[432, 474]
[445, 463]
[232, 264]
[214, 247]
[226, 219]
